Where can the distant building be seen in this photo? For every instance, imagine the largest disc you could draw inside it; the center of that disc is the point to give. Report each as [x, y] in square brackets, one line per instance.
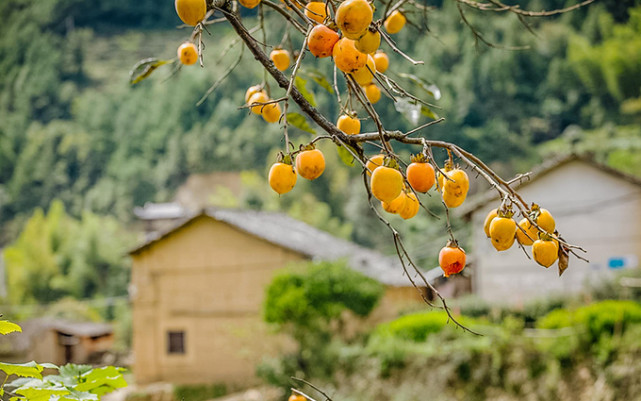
[594, 206]
[58, 342]
[197, 291]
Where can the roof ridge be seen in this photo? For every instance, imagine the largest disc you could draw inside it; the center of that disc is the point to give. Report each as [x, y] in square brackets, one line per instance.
[290, 233]
[482, 198]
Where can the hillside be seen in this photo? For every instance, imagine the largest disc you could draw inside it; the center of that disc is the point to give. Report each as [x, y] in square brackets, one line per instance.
[73, 129]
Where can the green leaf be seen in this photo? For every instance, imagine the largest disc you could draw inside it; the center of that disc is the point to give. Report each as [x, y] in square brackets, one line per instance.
[345, 155]
[320, 79]
[102, 380]
[300, 122]
[427, 112]
[143, 69]
[29, 369]
[7, 327]
[300, 85]
[41, 394]
[74, 371]
[79, 396]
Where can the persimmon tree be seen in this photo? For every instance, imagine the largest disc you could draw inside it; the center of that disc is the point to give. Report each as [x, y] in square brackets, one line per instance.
[356, 34]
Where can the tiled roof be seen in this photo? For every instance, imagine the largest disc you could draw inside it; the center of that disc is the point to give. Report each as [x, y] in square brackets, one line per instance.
[481, 199]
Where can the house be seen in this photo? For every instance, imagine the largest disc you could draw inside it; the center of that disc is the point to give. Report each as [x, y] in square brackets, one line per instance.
[197, 291]
[58, 341]
[595, 207]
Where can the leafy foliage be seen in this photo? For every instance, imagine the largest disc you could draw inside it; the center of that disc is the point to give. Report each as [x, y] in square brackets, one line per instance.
[598, 319]
[507, 362]
[319, 293]
[57, 256]
[72, 383]
[72, 130]
[309, 302]
[418, 326]
[7, 327]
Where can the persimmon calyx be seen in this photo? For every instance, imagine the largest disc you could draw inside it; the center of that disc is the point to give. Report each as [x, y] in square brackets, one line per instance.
[390, 162]
[285, 158]
[419, 158]
[452, 243]
[309, 146]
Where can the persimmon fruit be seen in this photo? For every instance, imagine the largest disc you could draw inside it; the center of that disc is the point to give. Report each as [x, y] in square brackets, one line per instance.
[451, 258]
[386, 183]
[187, 53]
[455, 189]
[526, 233]
[396, 205]
[191, 12]
[373, 93]
[321, 41]
[353, 18]
[411, 207]
[545, 251]
[271, 112]
[488, 220]
[394, 22]
[381, 60]
[316, 11]
[374, 162]
[282, 177]
[346, 57]
[249, 3]
[349, 124]
[310, 164]
[252, 90]
[502, 232]
[543, 218]
[280, 58]
[369, 42]
[365, 75]
[546, 221]
[258, 97]
[420, 176]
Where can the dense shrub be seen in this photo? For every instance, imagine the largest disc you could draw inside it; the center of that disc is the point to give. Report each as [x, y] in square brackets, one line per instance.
[417, 326]
[318, 293]
[309, 302]
[597, 319]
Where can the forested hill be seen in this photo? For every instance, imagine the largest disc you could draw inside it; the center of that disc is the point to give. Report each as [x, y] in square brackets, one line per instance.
[71, 128]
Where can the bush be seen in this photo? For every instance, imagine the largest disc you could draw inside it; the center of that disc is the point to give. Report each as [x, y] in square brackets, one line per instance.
[319, 294]
[417, 326]
[309, 303]
[599, 318]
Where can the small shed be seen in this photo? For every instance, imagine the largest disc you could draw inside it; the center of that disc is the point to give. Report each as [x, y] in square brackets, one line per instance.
[58, 342]
[595, 206]
[197, 291]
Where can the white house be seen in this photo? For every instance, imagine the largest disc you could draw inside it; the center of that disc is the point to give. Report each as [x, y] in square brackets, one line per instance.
[595, 206]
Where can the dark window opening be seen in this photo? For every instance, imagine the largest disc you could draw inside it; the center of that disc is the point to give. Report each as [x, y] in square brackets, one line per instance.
[176, 342]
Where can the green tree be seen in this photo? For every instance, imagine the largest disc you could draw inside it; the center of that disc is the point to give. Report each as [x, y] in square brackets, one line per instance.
[56, 256]
[309, 302]
[309, 297]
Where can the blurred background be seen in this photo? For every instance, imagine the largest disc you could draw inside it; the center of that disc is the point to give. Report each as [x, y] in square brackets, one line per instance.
[120, 201]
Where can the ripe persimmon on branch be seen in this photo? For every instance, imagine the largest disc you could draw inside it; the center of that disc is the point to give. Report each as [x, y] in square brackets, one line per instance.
[357, 58]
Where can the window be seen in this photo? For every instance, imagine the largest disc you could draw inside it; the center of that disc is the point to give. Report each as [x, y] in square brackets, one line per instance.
[176, 342]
